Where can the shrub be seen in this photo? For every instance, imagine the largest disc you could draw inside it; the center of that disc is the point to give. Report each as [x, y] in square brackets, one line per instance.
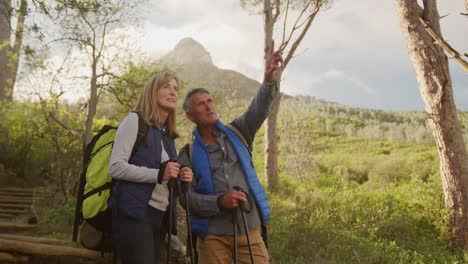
[61, 216]
[329, 220]
[24, 152]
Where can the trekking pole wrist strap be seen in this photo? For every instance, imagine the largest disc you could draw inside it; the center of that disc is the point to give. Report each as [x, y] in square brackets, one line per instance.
[161, 172]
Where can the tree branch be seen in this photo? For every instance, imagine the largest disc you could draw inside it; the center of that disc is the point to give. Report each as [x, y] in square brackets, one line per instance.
[286, 11]
[62, 124]
[442, 43]
[20, 26]
[296, 43]
[103, 40]
[297, 25]
[106, 73]
[278, 11]
[112, 91]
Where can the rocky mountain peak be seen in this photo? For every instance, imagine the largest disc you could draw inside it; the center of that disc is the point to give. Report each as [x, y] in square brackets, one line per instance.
[193, 64]
[188, 52]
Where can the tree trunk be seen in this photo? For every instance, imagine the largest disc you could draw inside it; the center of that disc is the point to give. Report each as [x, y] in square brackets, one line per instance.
[271, 147]
[30, 248]
[12, 258]
[33, 239]
[92, 106]
[271, 13]
[5, 38]
[9, 51]
[432, 72]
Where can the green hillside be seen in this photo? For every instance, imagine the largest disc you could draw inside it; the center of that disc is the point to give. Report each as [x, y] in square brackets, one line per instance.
[357, 186]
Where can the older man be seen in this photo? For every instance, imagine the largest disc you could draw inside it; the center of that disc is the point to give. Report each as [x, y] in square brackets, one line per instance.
[222, 163]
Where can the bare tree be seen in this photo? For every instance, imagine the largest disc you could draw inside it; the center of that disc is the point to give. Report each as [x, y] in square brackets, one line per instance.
[432, 73]
[85, 26]
[279, 12]
[10, 44]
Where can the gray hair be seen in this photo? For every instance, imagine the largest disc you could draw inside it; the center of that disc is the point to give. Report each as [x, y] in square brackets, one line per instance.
[187, 103]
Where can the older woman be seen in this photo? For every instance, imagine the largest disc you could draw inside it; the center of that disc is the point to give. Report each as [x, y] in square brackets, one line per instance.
[140, 193]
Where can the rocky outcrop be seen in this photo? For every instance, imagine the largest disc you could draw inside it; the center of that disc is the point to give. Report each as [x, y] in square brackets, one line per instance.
[194, 65]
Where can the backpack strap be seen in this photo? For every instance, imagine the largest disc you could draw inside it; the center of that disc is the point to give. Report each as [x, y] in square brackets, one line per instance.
[88, 151]
[141, 135]
[99, 189]
[188, 148]
[241, 136]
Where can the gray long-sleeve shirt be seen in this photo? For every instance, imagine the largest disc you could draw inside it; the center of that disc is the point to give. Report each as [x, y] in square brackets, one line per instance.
[226, 168]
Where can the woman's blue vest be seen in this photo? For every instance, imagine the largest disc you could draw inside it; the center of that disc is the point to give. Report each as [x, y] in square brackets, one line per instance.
[202, 170]
[131, 198]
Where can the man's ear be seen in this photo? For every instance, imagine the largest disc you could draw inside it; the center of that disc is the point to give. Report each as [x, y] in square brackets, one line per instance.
[189, 116]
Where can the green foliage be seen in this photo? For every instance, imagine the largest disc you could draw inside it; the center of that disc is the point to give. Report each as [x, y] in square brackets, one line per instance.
[66, 145]
[36, 149]
[129, 85]
[23, 150]
[368, 199]
[60, 217]
[358, 122]
[331, 221]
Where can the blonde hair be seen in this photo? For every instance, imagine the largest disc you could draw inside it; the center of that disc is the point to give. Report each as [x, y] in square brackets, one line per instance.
[148, 103]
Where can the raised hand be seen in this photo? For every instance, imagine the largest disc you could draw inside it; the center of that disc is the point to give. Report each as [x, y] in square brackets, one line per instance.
[273, 64]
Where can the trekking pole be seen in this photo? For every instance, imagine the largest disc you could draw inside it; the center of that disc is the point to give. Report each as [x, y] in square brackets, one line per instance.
[185, 188]
[244, 219]
[79, 204]
[234, 229]
[170, 185]
[243, 209]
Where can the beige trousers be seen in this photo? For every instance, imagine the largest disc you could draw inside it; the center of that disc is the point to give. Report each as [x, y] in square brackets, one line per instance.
[219, 249]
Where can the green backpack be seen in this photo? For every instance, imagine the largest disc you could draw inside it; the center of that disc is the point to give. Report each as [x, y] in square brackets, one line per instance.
[95, 182]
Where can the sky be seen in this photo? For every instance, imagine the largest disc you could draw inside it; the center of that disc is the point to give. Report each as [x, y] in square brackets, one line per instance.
[353, 54]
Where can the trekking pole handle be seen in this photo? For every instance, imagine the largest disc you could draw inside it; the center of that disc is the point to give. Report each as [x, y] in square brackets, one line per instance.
[241, 203]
